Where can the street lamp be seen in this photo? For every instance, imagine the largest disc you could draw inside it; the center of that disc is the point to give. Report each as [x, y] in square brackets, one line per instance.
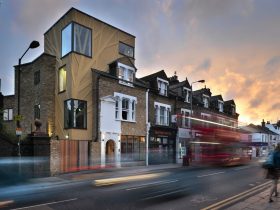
[33, 44]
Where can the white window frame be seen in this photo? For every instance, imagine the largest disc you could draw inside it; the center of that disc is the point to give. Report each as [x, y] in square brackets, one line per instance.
[208, 100]
[125, 77]
[162, 90]
[131, 113]
[208, 118]
[166, 113]
[221, 106]
[188, 95]
[186, 122]
[8, 114]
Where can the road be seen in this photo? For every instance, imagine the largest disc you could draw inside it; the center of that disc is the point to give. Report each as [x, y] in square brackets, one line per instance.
[172, 188]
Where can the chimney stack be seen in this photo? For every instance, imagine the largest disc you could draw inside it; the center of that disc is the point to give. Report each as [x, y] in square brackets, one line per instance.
[263, 123]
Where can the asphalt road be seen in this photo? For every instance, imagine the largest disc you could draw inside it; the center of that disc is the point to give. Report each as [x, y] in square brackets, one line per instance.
[177, 188]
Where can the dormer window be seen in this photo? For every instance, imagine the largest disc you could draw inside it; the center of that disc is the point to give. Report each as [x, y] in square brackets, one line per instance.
[221, 106]
[205, 99]
[187, 95]
[126, 73]
[162, 86]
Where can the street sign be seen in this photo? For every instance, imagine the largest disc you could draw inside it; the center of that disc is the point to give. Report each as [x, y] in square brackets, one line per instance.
[18, 131]
[18, 118]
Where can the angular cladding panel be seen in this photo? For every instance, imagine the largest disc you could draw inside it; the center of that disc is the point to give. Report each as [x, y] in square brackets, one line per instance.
[105, 42]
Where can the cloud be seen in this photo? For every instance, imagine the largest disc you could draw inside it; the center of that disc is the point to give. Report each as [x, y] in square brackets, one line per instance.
[204, 66]
[273, 64]
[276, 106]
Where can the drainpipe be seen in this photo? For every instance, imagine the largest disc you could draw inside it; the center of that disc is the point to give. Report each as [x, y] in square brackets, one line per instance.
[147, 127]
[97, 107]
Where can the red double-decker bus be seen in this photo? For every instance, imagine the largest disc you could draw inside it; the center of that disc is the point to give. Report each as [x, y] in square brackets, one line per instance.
[218, 145]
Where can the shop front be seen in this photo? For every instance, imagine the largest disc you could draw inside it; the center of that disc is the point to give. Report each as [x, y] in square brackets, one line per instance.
[162, 145]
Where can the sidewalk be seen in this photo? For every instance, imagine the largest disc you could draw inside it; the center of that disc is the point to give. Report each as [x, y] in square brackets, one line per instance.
[258, 202]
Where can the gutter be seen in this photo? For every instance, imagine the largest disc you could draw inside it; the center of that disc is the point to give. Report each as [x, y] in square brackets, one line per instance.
[147, 127]
[97, 107]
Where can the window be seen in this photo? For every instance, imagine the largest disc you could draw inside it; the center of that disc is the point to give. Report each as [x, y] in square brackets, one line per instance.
[125, 107]
[233, 109]
[185, 118]
[126, 73]
[205, 99]
[61, 79]
[126, 50]
[162, 114]
[36, 77]
[207, 118]
[162, 86]
[187, 95]
[37, 111]
[77, 38]
[75, 114]
[133, 148]
[8, 114]
[221, 106]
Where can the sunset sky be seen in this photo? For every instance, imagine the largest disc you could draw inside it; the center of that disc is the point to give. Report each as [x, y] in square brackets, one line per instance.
[233, 44]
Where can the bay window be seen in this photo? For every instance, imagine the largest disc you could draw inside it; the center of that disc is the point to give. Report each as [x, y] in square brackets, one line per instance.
[76, 38]
[125, 107]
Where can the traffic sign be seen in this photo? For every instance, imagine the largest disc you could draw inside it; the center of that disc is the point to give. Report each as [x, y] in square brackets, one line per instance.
[18, 131]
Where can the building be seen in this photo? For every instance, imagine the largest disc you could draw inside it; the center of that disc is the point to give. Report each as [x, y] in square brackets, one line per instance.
[162, 132]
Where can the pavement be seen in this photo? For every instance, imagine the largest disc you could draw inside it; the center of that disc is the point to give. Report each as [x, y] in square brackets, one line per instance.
[253, 199]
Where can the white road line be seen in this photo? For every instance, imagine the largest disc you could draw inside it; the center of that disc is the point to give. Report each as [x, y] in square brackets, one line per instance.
[156, 196]
[44, 204]
[152, 183]
[211, 174]
[245, 167]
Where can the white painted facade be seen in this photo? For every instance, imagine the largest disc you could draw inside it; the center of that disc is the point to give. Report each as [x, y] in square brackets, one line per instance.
[110, 129]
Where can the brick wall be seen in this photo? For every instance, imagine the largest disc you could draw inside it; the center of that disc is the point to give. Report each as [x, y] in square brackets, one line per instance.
[41, 93]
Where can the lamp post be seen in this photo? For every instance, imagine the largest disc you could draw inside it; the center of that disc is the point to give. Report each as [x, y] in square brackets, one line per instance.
[33, 44]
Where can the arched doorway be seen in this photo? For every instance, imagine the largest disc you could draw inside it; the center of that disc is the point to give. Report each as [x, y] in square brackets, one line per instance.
[110, 151]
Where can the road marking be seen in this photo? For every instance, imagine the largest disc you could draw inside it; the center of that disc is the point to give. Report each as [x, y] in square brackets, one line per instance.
[237, 197]
[118, 180]
[241, 168]
[5, 203]
[211, 174]
[152, 183]
[44, 204]
[156, 196]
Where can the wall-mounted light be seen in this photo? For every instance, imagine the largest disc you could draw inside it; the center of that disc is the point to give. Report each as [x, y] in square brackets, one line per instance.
[67, 136]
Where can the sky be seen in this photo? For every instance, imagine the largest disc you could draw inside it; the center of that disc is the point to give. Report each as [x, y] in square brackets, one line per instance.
[232, 44]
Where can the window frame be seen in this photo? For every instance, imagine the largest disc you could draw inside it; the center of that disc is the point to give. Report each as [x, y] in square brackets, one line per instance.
[8, 112]
[133, 48]
[124, 78]
[37, 111]
[131, 114]
[187, 96]
[62, 67]
[208, 100]
[72, 23]
[71, 124]
[166, 83]
[166, 114]
[186, 123]
[221, 106]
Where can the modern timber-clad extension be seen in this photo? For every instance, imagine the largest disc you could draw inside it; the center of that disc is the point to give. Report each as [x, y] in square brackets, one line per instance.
[80, 43]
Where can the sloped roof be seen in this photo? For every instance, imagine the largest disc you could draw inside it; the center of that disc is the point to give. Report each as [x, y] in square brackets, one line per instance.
[229, 102]
[160, 74]
[216, 98]
[123, 59]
